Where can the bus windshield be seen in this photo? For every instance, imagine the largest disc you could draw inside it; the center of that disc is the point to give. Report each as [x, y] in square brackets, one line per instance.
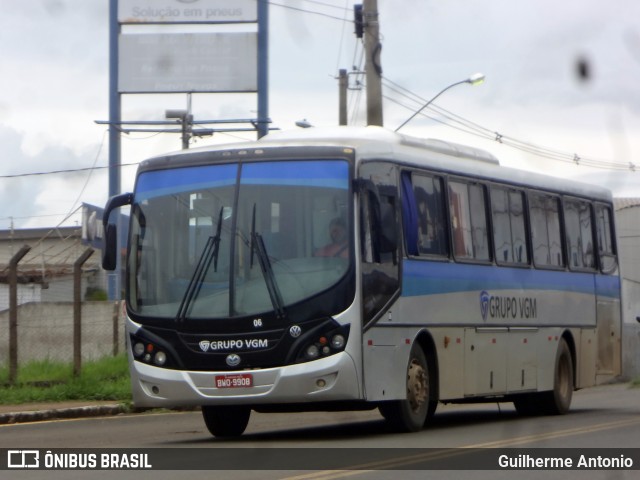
[230, 240]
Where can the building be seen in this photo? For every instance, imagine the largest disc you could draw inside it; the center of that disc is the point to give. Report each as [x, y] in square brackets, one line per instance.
[628, 229]
[45, 274]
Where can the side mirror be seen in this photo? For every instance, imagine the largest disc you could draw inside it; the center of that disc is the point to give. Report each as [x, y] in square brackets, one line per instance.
[110, 247]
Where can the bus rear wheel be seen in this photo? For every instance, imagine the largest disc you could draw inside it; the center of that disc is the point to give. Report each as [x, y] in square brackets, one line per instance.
[558, 400]
[226, 421]
[411, 414]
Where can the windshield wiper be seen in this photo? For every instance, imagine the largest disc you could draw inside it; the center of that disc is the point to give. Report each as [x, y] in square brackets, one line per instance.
[257, 244]
[209, 253]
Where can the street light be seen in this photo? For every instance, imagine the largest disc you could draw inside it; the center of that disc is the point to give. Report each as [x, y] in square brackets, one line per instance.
[475, 79]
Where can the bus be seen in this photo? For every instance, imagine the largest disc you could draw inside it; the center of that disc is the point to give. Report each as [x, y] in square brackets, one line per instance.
[357, 268]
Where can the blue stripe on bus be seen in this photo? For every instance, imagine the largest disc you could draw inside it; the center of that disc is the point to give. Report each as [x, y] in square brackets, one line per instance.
[318, 173]
[314, 173]
[431, 278]
[166, 182]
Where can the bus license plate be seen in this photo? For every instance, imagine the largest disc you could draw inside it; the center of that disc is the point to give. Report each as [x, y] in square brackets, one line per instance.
[240, 380]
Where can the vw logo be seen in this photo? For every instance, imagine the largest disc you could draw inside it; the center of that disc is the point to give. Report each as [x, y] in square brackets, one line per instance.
[233, 360]
[295, 331]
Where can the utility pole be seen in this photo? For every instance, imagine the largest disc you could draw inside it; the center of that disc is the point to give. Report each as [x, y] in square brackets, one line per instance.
[263, 68]
[343, 85]
[185, 119]
[373, 68]
[115, 107]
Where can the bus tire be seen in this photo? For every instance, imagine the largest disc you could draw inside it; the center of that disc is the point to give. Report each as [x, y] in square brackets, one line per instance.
[227, 421]
[411, 414]
[558, 400]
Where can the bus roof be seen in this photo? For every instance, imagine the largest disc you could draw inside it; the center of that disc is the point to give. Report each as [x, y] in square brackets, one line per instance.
[377, 143]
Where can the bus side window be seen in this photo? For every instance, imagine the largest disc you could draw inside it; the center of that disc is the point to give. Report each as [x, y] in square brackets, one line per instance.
[577, 215]
[468, 221]
[509, 231]
[428, 194]
[544, 212]
[606, 247]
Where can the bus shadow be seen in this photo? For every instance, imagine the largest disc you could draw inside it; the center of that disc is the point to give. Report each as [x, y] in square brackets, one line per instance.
[365, 429]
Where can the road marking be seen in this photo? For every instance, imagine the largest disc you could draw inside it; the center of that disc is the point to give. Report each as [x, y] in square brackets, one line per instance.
[462, 450]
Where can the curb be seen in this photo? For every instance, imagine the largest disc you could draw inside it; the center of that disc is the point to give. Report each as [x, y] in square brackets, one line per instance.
[63, 413]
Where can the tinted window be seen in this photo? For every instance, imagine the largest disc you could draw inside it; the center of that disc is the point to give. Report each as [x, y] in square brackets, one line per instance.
[544, 212]
[509, 232]
[428, 193]
[196, 232]
[468, 221]
[606, 246]
[577, 214]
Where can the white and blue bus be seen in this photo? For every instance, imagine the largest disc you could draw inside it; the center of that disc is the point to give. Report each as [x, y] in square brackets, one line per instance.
[357, 268]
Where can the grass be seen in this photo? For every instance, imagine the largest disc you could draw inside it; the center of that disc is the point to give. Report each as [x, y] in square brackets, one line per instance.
[45, 381]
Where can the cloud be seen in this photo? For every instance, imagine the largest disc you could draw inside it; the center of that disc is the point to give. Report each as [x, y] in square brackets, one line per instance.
[44, 199]
[56, 71]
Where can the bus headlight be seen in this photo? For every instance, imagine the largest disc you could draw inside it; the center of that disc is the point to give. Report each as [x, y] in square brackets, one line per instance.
[153, 352]
[138, 349]
[337, 342]
[312, 352]
[160, 359]
[323, 342]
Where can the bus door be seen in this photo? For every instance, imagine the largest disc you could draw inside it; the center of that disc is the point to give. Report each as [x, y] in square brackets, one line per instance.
[383, 353]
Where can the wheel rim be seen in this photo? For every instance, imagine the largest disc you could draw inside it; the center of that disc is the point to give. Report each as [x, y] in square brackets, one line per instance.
[417, 385]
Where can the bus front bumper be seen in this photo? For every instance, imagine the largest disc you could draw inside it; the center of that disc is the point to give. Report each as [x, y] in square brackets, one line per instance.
[332, 378]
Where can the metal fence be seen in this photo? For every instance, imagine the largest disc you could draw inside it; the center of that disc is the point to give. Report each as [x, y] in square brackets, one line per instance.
[62, 317]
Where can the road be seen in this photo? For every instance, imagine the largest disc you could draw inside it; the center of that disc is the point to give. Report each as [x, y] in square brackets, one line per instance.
[601, 417]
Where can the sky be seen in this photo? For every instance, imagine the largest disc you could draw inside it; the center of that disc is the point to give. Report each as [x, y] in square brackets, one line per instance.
[561, 78]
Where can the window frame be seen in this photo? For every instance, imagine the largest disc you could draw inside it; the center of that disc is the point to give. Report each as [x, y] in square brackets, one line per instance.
[561, 227]
[487, 221]
[612, 238]
[411, 218]
[579, 268]
[509, 190]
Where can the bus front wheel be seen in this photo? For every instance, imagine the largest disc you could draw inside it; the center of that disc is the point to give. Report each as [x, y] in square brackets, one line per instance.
[226, 421]
[410, 414]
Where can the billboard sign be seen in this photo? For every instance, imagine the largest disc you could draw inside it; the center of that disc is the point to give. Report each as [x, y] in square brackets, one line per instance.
[188, 62]
[187, 11]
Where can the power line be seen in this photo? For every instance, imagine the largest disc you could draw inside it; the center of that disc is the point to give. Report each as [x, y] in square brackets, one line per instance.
[458, 122]
[69, 170]
[313, 12]
[324, 4]
[28, 217]
[342, 34]
[84, 187]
